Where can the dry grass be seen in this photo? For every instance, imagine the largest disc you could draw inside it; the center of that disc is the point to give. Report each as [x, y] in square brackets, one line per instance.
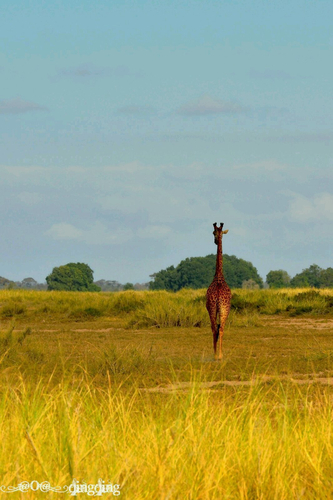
[91, 389]
[269, 441]
[159, 308]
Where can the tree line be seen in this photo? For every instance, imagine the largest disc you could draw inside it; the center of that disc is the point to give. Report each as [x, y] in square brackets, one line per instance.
[313, 276]
[193, 272]
[198, 272]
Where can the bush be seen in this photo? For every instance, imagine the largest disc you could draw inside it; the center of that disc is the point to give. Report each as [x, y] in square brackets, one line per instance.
[88, 312]
[12, 309]
[309, 295]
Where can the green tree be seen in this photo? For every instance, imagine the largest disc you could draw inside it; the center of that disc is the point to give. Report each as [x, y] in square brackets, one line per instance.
[198, 272]
[128, 286]
[238, 270]
[5, 283]
[326, 278]
[165, 280]
[278, 279]
[308, 277]
[72, 277]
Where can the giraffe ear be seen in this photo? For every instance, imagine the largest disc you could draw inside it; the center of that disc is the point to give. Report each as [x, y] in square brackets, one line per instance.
[225, 232]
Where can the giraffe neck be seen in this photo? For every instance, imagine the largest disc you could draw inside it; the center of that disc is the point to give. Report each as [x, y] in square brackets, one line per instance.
[219, 260]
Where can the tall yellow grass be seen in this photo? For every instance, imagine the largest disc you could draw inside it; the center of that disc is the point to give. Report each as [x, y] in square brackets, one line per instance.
[268, 442]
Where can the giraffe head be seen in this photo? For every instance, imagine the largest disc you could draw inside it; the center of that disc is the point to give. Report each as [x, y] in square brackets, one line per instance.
[218, 233]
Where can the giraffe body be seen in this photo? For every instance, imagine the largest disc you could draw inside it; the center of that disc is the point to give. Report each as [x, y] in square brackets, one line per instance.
[218, 298]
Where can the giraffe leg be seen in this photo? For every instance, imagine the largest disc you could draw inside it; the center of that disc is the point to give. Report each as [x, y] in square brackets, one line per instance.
[219, 334]
[222, 319]
[220, 343]
[215, 329]
[215, 336]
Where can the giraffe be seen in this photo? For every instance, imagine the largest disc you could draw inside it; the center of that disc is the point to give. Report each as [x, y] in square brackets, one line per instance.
[218, 296]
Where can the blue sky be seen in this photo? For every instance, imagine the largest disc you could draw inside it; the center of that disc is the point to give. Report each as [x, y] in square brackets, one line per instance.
[128, 128]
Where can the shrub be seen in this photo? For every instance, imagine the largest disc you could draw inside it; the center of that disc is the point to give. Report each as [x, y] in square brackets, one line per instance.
[88, 312]
[12, 309]
[309, 295]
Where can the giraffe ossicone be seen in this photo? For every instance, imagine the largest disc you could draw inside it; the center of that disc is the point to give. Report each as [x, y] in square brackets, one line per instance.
[218, 298]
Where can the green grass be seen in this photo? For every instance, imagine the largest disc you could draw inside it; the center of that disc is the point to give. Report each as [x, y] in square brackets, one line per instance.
[123, 387]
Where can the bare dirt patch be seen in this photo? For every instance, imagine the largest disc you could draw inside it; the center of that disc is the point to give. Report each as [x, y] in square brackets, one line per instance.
[311, 323]
[208, 385]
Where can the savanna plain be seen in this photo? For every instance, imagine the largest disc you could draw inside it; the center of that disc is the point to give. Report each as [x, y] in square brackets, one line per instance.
[124, 387]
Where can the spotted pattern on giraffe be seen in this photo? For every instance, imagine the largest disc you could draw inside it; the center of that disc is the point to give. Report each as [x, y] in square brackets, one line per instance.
[218, 298]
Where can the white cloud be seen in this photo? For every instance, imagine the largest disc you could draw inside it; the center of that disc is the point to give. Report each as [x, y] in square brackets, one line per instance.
[30, 198]
[241, 231]
[188, 172]
[261, 166]
[97, 234]
[317, 208]
[18, 105]
[270, 170]
[133, 167]
[77, 170]
[207, 105]
[100, 234]
[64, 231]
[157, 232]
[21, 172]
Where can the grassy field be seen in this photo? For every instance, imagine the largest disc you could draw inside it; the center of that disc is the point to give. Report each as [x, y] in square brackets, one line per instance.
[123, 387]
